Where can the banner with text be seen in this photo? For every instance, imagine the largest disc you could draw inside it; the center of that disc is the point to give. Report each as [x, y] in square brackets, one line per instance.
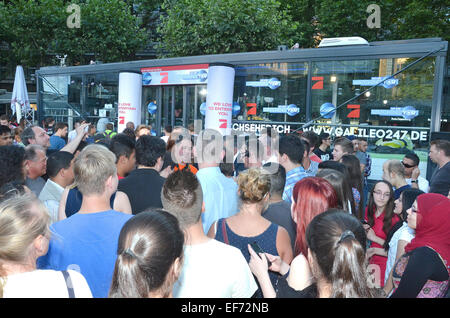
[219, 101]
[130, 94]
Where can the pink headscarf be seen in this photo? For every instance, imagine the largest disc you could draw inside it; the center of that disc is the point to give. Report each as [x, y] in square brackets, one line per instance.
[433, 225]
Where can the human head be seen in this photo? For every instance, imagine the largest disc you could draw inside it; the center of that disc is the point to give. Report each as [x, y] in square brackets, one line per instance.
[142, 130]
[4, 120]
[393, 171]
[381, 197]
[355, 143]
[342, 187]
[5, 136]
[49, 121]
[95, 171]
[182, 150]
[430, 217]
[109, 126]
[362, 144]
[124, 147]
[335, 165]
[227, 168]
[208, 149]
[311, 196]
[17, 134]
[342, 146]
[405, 201]
[24, 231]
[254, 186]
[439, 151]
[252, 156]
[182, 196]
[92, 130]
[130, 125]
[60, 129]
[35, 161]
[312, 138]
[149, 256]
[150, 151]
[168, 129]
[410, 162]
[277, 178]
[129, 132]
[12, 157]
[35, 135]
[60, 168]
[337, 245]
[13, 189]
[291, 150]
[324, 139]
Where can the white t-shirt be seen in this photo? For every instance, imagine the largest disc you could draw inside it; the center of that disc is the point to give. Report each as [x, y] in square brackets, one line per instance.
[423, 183]
[404, 233]
[45, 284]
[214, 270]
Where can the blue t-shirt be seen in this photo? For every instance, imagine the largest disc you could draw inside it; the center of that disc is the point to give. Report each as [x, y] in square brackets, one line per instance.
[86, 243]
[57, 142]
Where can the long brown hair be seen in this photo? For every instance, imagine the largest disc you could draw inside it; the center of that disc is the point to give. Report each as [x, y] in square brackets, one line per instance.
[388, 209]
[149, 245]
[337, 241]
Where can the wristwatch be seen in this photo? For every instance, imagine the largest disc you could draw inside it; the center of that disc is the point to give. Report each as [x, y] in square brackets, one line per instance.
[414, 181]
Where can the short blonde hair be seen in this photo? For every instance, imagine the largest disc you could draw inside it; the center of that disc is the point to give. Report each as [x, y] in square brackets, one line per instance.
[396, 167]
[92, 167]
[20, 225]
[254, 185]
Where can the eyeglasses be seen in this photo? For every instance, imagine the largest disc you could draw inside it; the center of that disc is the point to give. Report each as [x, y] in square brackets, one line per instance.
[384, 195]
[407, 165]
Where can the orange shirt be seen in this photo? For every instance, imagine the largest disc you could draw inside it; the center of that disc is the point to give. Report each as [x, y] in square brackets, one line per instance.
[182, 166]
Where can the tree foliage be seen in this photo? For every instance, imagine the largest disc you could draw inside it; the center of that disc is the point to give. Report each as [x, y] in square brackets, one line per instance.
[194, 27]
[36, 29]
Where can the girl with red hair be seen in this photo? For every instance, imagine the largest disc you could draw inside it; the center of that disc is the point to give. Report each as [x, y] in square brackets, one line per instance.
[310, 197]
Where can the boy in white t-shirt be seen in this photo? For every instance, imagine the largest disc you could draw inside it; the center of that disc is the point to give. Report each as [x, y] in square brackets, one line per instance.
[211, 269]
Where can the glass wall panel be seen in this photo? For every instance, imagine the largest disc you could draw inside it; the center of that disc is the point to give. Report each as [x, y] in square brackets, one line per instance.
[394, 116]
[271, 92]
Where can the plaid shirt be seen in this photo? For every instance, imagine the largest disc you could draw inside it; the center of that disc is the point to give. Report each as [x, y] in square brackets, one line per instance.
[292, 177]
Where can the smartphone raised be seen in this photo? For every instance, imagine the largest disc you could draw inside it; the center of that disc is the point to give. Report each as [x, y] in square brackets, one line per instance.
[258, 250]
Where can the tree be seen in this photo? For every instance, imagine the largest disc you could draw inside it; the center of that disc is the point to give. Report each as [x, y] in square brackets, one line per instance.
[195, 27]
[38, 29]
[108, 31]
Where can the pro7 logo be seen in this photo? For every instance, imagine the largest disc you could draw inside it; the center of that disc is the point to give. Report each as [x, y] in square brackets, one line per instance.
[165, 77]
[252, 110]
[354, 113]
[224, 123]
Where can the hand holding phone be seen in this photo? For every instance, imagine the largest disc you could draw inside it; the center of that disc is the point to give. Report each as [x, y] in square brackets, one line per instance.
[258, 250]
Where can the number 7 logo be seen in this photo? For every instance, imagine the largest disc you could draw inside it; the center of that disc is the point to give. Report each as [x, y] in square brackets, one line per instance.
[224, 123]
[354, 113]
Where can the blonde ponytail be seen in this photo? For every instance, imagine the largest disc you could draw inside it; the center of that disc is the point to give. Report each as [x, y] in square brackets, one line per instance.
[22, 219]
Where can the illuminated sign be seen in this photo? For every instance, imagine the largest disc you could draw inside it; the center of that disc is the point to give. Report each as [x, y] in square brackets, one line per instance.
[175, 75]
[407, 112]
[290, 110]
[272, 83]
[375, 80]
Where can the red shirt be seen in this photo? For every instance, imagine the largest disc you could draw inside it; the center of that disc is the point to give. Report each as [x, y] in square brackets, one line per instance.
[378, 229]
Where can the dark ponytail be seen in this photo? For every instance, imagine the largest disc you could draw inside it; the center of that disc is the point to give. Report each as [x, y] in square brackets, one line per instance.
[338, 243]
[149, 244]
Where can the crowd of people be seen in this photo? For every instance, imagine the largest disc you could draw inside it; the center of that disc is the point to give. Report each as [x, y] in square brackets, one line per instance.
[98, 213]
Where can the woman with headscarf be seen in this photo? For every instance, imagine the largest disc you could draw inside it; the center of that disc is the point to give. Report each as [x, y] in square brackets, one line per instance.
[424, 271]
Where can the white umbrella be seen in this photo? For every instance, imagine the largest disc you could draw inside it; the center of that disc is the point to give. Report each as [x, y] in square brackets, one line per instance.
[19, 99]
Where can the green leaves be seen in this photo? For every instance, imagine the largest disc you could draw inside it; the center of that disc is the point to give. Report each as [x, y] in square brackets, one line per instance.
[197, 27]
[39, 28]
